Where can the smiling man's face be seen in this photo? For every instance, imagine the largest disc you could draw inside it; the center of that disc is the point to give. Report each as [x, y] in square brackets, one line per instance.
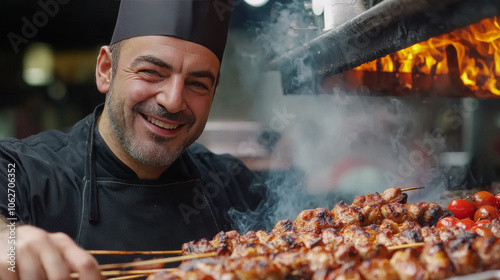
[159, 98]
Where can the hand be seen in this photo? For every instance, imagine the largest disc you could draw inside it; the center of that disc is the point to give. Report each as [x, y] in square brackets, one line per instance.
[43, 255]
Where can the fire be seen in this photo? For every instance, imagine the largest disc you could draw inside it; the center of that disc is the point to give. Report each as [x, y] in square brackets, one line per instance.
[474, 50]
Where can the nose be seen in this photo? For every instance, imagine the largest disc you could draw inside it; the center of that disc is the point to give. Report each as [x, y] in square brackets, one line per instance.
[172, 96]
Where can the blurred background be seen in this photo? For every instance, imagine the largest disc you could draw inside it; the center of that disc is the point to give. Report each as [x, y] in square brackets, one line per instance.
[49, 49]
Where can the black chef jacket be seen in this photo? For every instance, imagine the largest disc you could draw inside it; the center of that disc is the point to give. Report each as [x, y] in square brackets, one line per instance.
[52, 185]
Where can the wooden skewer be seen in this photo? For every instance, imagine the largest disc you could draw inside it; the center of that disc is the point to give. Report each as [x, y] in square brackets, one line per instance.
[139, 263]
[412, 188]
[143, 272]
[156, 261]
[128, 277]
[411, 245]
[108, 252]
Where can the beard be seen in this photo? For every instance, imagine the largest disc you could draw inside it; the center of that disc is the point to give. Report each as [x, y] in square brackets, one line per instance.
[158, 150]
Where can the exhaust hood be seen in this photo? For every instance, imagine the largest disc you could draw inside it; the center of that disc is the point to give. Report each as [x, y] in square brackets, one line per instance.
[385, 28]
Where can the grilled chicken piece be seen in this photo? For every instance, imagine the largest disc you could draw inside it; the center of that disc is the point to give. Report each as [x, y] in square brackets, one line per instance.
[394, 195]
[321, 259]
[264, 237]
[488, 251]
[346, 254]
[283, 227]
[433, 214]
[378, 269]
[192, 247]
[449, 233]
[252, 249]
[355, 234]
[372, 251]
[315, 220]
[348, 271]
[286, 242]
[259, 267]
[204, 269]
[331, 238]
[293, 264]
[426, 214]
[395, 212]
[368, 199]
[429, 234]
[250, 237]
[408, 266]
[495, 227]
[372, 214]
[311, 240]
[436, 261]
[348, 215]
[390, 195]
[416, 211]
[227, 241]
[409, 236]
[389, 226]
[460, 252]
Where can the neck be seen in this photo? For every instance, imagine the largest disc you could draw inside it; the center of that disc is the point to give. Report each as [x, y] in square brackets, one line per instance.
[143, 171]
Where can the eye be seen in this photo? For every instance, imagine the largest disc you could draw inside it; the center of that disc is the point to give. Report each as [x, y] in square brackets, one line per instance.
[200, 85]
[150, 72]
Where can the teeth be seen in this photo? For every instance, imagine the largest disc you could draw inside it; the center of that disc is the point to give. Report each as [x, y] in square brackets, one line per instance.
[161, 124]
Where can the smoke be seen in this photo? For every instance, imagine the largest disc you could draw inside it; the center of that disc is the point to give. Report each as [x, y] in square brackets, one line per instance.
[342, 144]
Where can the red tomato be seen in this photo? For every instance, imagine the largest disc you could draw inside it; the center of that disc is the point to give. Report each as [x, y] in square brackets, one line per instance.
[487, 212]
[466, 224]
[483, 222]
[447, 222]
[483, 198]
[462, 208]
[497, 197]
[482, 231]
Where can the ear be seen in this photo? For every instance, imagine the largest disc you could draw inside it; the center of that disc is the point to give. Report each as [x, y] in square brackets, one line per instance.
[103, 70]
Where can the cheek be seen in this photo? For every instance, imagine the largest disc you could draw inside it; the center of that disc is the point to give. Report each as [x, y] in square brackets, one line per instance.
[201, 108]
[135, 92]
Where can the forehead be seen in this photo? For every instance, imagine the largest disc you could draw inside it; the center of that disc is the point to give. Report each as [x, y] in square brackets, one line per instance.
[171, 49]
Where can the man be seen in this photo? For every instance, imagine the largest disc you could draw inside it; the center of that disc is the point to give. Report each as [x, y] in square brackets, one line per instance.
[128, 176]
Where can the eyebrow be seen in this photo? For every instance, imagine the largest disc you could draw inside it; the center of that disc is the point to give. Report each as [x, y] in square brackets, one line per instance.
[162, 64]
[153, 60]
[203, 74]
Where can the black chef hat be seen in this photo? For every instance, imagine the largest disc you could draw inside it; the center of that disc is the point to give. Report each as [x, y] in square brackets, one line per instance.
[204, 22]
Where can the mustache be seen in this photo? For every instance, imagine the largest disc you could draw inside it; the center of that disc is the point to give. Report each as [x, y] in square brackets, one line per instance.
[160, 112]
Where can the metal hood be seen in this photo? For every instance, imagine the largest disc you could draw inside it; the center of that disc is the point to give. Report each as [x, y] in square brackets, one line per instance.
[387, 27]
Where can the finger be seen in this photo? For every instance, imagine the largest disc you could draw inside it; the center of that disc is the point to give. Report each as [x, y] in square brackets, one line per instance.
[84, 264]
[8, 256]
[30, 267]
[53, 262]
[6, 274]
[78, 259]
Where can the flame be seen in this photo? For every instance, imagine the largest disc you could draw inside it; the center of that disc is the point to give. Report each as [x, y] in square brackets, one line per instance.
[477, 49]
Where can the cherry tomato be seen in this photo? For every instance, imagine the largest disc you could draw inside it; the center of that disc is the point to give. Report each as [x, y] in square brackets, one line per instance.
[462, 208]
[447, 222]
[483, 222]
[487, 212]
[482, 231]
[497, 197]
[483, 198]
[466, 224]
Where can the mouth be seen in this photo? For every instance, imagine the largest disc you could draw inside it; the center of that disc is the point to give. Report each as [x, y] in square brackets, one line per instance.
[161, 124]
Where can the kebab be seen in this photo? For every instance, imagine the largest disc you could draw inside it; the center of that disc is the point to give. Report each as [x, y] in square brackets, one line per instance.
[388, 233]
[315, 221]
[466, 254]
[285, 239]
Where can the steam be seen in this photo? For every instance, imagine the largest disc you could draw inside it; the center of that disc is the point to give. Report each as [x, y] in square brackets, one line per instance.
[342, 144]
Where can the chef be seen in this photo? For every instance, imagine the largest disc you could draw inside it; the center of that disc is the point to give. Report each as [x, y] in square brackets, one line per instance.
[129, 176]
